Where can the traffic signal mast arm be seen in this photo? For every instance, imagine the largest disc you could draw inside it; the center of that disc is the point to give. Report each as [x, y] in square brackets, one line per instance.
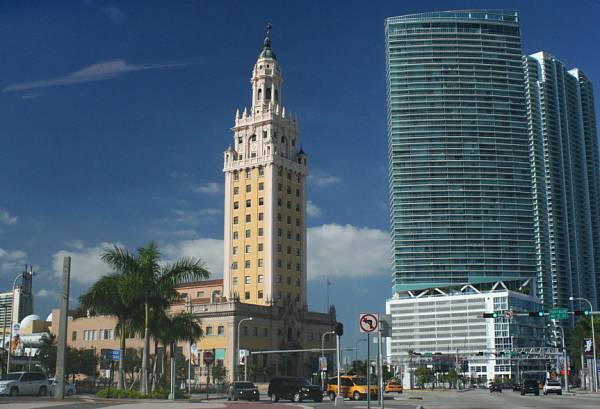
[539, 314]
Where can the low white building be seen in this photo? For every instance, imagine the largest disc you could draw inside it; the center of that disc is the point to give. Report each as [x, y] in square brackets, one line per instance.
[447, 325]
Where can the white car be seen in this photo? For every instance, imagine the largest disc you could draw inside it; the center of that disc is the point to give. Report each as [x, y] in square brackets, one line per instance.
[24, 383]
[552, 387]
[69, 387]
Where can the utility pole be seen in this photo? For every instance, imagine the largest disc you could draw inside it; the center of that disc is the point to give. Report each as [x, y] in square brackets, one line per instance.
[59, 390]
[368, 370]
[380, 366]
[339, 399]
[5, 307]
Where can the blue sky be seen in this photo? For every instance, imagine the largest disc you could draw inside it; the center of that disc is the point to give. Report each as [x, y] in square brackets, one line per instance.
[114, 116]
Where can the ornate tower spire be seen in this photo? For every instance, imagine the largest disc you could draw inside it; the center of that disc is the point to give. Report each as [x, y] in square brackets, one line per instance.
[266, 78]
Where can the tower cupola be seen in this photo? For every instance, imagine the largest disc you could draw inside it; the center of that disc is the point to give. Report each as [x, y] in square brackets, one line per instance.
[266, 79]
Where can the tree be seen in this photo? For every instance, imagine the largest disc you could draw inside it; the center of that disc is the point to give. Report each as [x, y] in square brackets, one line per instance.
[47, 354]
[583, 329]
[112, 295]
[155, 284]
[423, 376]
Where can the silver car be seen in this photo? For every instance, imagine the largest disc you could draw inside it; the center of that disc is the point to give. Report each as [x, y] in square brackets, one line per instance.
[24, 383]
[69, 387]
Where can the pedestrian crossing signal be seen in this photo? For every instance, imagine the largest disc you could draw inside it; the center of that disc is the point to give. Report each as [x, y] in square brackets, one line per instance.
[582, 312]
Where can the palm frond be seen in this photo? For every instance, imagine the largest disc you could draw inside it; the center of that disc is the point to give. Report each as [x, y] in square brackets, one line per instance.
[119, 258]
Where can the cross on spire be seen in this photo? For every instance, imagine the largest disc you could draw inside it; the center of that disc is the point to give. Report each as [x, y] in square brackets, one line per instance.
[269, 27]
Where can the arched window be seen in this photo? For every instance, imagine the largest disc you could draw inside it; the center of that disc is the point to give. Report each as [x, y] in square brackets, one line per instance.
[253, 138]
[276, 95]
[289, 334]
[268, 94]
[259, 94]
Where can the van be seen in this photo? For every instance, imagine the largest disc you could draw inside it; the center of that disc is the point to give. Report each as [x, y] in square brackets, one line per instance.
[353, 387]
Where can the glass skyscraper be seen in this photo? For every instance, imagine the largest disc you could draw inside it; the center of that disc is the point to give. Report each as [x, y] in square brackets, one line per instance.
[566, 180]
[459, 167]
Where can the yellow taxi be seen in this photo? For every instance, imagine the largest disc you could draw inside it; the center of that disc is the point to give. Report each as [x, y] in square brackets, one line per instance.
[353, 387]
[393, 386]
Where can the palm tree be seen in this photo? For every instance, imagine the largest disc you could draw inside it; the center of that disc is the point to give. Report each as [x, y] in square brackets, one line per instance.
[111, 295]
[155, 284]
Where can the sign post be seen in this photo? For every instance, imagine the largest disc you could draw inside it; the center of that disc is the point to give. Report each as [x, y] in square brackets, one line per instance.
[368, 323]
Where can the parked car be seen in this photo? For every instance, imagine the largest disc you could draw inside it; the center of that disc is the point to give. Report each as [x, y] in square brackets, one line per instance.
[530, 386]
[495, 387]
[516, 387]
[552, 387]
[24, 383]
[68, 387]
[393, 386]
[353, 387]
[294, 389]
[243, 390]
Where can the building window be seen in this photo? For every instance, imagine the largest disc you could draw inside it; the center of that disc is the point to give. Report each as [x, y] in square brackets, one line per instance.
[105, 334]
[261, 170]
[89, 335]
[260, 262]
[261, 278]
[298, 281]
[289, 175]
[220, 330]
[255, 331]
[288, 280]
[234, 266]
[248, 188]
[265, 332]
[247, 280]
[278, 217]
[298, 222]
[235, 235]
[236, 175]
[297, 236]
[279, 187]
[247, 248]
[298, 252]
[279, 201]
[288, 266]
[289, 220]
[249, 203]
[297, 192]
[235, 281]
[247, 173]
[200, 294]
[279, 248]
[260, 294]
[247, 295]
[279, 277]
[236, 190]
[245, 330]
[248, 233]
[278, 232]
[289, 190]
[289, 235]
[248, 218]
[297, 207]
[247, 264]
[260, 246]
[234, 250]
[261, 201]
[235, 220]
[279, 265]
[298, 269]
[261, 231]
[183, 296]
[74, 336]
[289, 205]
[236, 205]
[261, 186]
[208, 331]
[261, 216]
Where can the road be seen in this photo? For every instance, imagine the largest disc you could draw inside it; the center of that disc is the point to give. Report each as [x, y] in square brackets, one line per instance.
[474, 399]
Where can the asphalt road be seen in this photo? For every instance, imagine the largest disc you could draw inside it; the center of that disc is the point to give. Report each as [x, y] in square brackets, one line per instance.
[474, 399]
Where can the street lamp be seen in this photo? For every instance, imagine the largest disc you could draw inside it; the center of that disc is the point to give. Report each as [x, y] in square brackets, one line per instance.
[323, 354]
[238, 349]
[565, 358]
[12, 313]
[595, 374]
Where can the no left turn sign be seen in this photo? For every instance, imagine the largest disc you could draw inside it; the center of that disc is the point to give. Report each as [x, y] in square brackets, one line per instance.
[368, 322]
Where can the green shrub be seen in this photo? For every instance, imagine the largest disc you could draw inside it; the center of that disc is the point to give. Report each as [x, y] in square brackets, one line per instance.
[119, 394]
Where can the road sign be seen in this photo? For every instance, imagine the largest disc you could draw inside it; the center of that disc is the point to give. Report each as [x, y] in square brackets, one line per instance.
[323, 363]
[368, 322]
[208, 357]
[16, 328]
[508, 315]
[559, 313]
[244, 354]
[587, 347]
[112, 354]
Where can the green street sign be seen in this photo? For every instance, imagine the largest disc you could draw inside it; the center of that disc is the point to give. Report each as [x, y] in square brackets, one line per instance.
[559, 313]
[427, 354]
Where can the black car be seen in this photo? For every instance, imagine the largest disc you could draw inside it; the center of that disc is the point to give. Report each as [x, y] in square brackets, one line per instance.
[243, 390]
[516, 387]
[294, 389]
[495, 387]
[530, 386]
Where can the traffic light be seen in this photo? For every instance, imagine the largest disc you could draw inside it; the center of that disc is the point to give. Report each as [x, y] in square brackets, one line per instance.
[582, 312]
[537, 314]
[339, 329]
[490, 315]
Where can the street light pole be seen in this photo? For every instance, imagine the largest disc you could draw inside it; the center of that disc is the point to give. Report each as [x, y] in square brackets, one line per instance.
[595, 374]
[12, 313]
[565, 360]
[238, 347]
[323, 354]
[189, 305]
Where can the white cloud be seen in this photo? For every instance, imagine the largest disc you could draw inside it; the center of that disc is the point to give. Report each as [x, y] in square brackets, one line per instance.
[86, 265]
[321, 178]
[312, 209]
[347, 251]
[209, 250]
[96, 72]
[6, 218]
[44, 293]
[192, 217]
[212, 188]
[12, 261]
